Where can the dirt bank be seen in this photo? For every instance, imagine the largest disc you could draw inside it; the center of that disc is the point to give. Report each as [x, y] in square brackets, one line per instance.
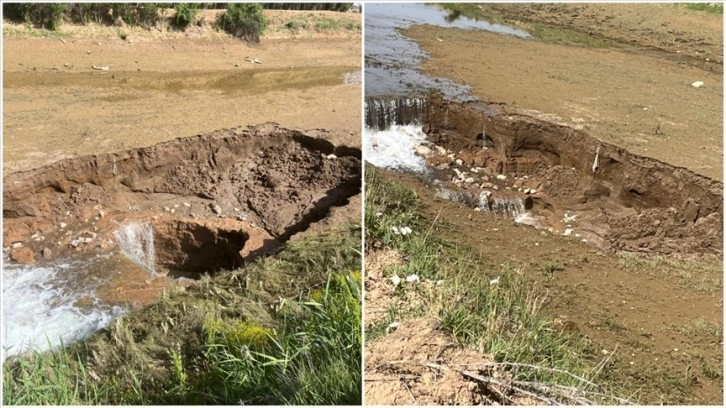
[227, 196]
[164, 85]
[642, 101]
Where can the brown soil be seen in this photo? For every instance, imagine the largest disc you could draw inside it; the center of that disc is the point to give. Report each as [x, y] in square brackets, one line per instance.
[547, 105]
[214, 201]
[635, 314]
[629, 97]
[627, 202]
[161, 85]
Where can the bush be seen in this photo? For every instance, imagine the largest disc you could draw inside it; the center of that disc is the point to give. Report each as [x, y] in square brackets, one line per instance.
[45, 15]
[139, 14]
[185, 13]
[84, 13]
[244, 20]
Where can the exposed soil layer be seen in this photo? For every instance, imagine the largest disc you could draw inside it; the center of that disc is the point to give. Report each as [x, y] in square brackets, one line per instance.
[214, 201]
[571, 181]
[641, 100]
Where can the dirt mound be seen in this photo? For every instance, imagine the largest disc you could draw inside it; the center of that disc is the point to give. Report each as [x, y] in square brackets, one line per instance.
[607, 195]
[213, 201]
[395, 374]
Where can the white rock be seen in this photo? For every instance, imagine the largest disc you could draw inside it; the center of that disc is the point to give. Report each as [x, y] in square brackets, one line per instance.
[501, 177]
[459, 162]
[424, 151]
[331, 156]
[63, 225]
[568, 232]
[697, 84]
[440, 150]
[16, 245]
[395, 280]
[469, 180]
[187, 205]
[412, 278]
[439, 282]
[215, 208]
[494, 281]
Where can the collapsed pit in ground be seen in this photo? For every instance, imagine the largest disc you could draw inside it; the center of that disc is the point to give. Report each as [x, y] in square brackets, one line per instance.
[214, 201]
[574, 183]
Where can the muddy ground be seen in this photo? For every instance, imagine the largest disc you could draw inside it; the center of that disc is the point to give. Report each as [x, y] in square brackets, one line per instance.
[628, 85]
[633, 90]
[87, 151]
[163, 84]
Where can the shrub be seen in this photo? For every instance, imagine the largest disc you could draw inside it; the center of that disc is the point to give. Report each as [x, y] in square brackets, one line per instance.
[84, 13]
[244, 20]
[46, 15]
[185, 13]
[139, 14]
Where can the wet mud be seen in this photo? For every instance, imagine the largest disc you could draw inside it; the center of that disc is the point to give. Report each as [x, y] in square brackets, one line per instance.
[213, 201]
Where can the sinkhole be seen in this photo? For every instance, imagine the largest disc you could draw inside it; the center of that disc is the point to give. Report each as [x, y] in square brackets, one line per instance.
[548, 175]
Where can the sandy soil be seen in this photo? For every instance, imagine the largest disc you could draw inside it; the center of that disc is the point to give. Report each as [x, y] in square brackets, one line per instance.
[164, 85]
[626, 96]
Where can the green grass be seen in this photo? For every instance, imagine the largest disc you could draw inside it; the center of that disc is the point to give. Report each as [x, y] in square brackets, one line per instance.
[707, 7]
[704, 274]
[319, 23]
[284, 330]
[502, 319]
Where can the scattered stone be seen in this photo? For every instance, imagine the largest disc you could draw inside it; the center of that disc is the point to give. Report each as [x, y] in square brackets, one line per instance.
[47, 253]
[101, 214]
[424, 151]
[331, 156]
[63, 225]
[469, 180]
[187, 205]
[215, 208]
[501, 177]
[99, 68]
[440, 150]
[23, 256]
[75, 243]
[459, 162]
[568, 232]
[16, 245]
[697, 84]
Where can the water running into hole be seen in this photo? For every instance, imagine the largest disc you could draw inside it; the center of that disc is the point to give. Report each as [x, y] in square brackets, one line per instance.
[136, 240]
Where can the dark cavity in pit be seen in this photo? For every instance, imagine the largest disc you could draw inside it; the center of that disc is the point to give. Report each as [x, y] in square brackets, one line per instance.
[215, 201]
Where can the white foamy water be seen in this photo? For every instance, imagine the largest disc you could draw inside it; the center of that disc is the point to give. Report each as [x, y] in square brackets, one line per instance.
[136, 240]
[395, 148]
[41, 309]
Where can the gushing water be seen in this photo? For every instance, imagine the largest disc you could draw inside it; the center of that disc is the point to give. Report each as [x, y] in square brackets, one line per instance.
[44, 307]
[508, 207]
[382, 113]
[137, 243]
[395, 148]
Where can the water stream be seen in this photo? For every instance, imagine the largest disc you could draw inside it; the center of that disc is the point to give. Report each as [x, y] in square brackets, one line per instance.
[45, 306]
[392, 60]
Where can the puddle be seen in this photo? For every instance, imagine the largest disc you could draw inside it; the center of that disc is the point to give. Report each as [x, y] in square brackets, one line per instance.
[392, 60]
[251, 81]
[107, 233]
[555, 178]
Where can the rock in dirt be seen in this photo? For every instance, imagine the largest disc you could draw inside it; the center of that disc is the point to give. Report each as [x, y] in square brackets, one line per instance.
[215, 208]
[23, 256]
[697, 84]
[47, 253]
